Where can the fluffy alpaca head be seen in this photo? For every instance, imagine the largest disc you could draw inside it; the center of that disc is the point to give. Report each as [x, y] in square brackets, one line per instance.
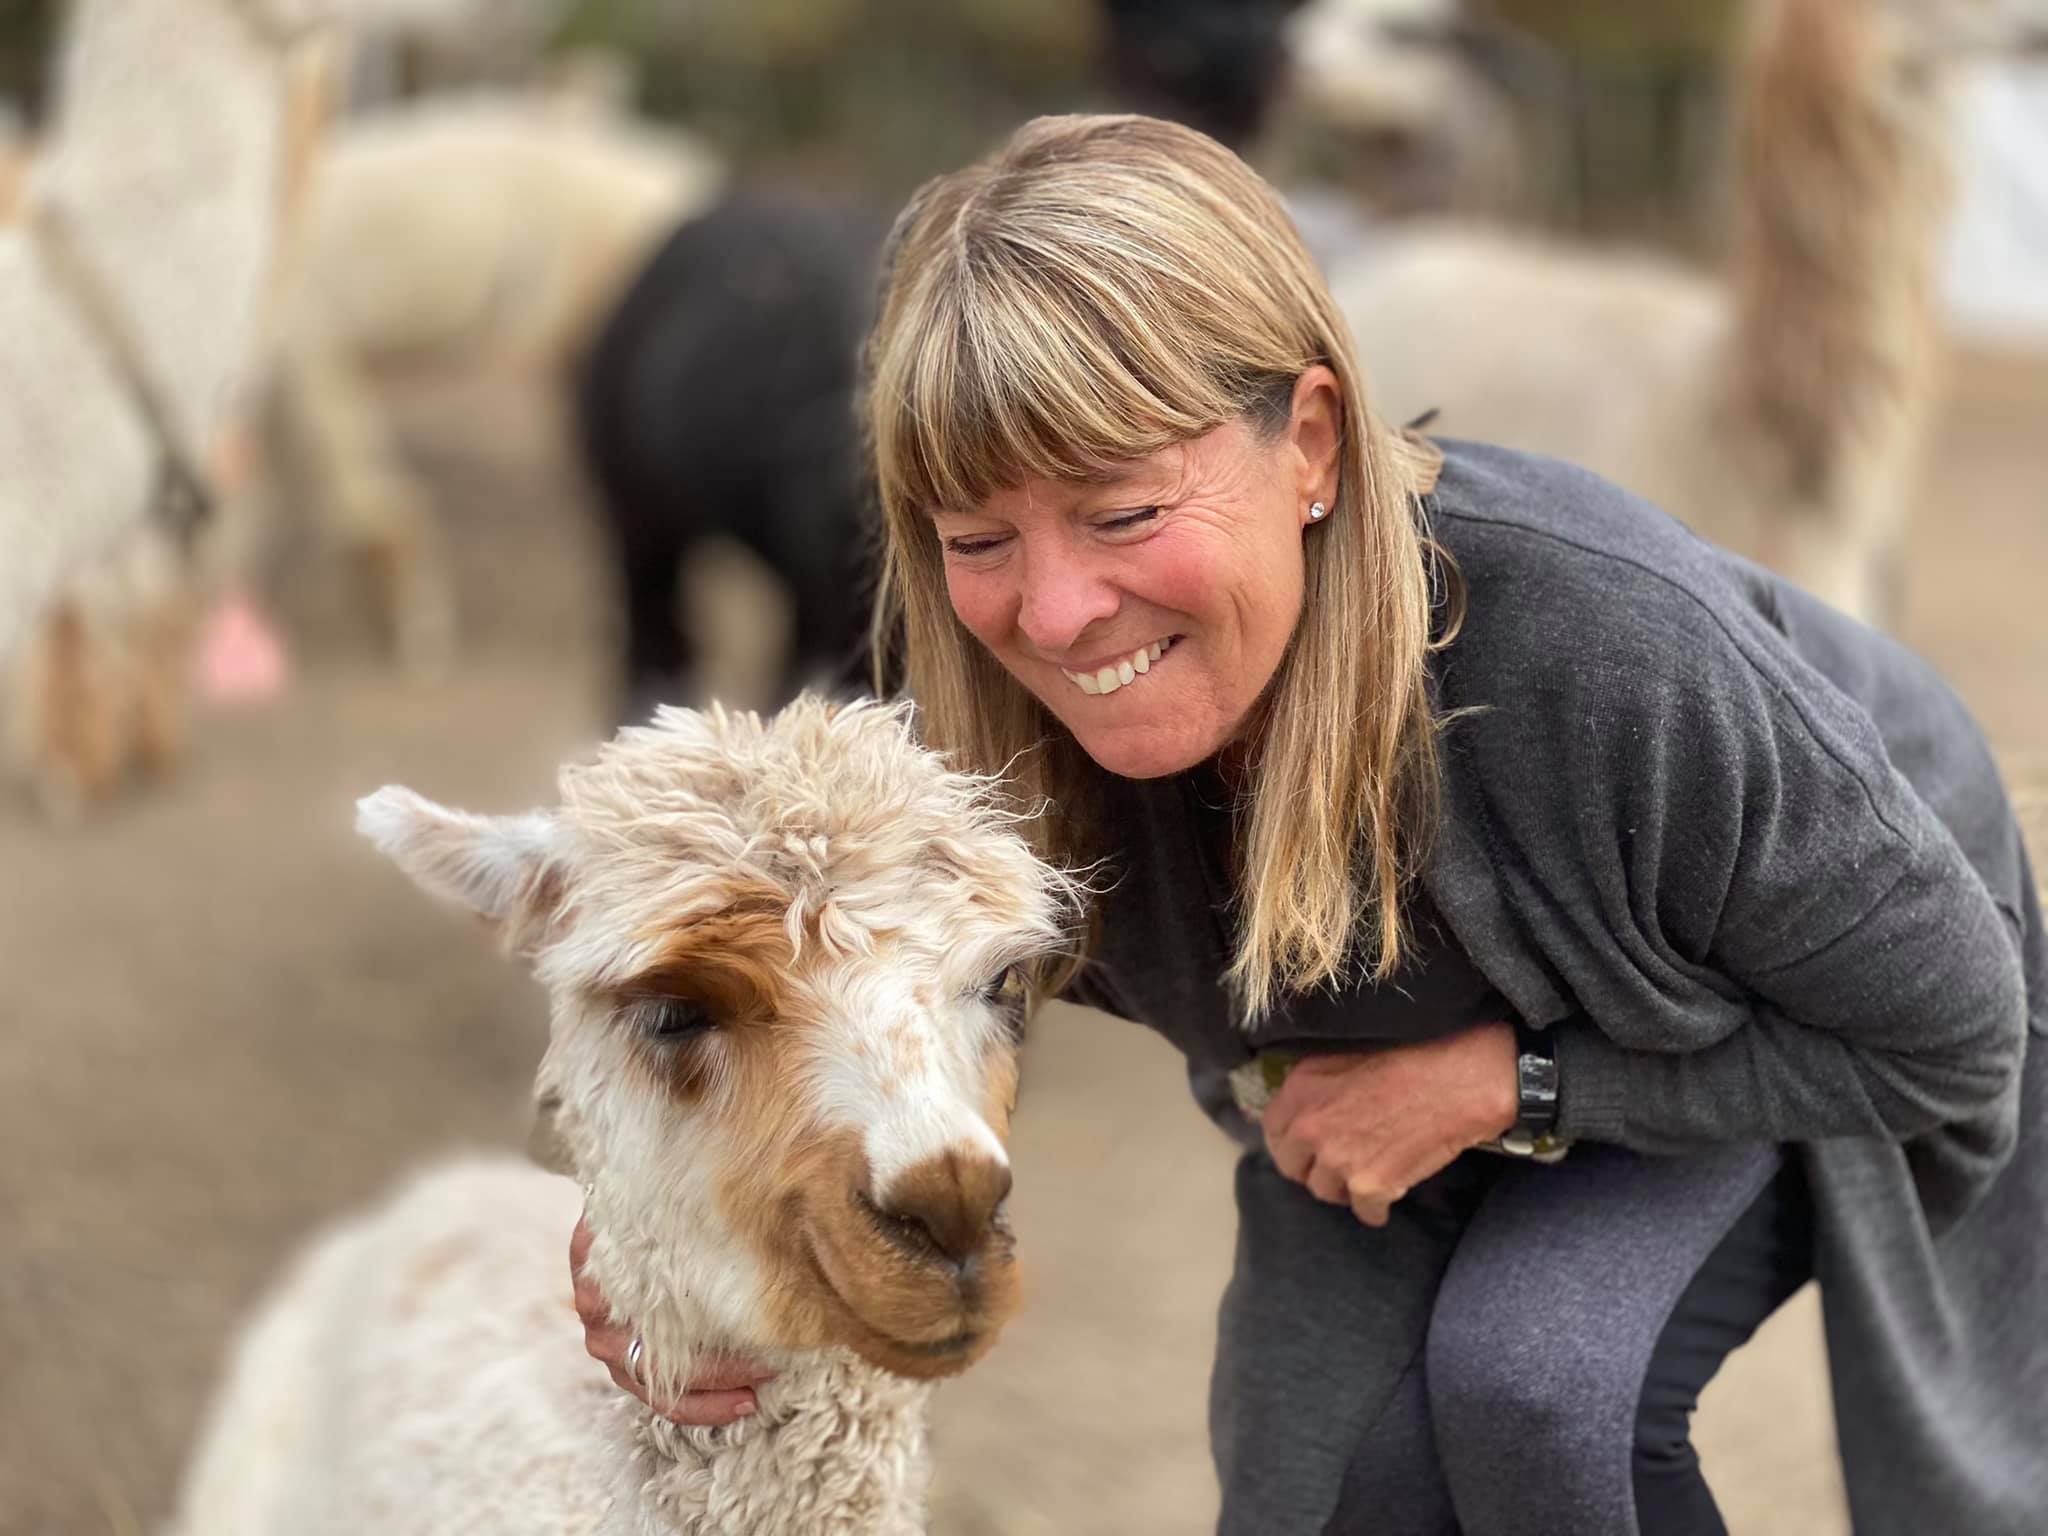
[783, 962]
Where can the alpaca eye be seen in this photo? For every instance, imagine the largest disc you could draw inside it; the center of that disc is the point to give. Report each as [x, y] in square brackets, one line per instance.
[672, 1019]
[1006, 986]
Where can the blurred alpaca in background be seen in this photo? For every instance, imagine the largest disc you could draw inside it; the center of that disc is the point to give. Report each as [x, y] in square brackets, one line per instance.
[133, 269]
[1403, 104]
[1779, 410]
[450, 239]
[1216, 65]
[143, 234]
[718, 404]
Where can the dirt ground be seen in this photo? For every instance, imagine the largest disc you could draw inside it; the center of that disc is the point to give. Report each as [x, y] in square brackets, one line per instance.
[224, 1020]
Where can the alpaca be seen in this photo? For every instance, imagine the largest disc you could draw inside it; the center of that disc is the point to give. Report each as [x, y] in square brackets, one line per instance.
[1781, 411]
[1403, 101]
[783, 962]
[445, 239]
[717, 401]
[1215, 65]
[133, 264]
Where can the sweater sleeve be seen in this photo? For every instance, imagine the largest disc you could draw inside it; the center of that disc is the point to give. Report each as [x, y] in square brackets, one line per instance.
[1831, 964]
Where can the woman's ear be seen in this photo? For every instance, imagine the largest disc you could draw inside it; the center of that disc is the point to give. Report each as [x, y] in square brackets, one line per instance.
[506, 869]
[1315, 437]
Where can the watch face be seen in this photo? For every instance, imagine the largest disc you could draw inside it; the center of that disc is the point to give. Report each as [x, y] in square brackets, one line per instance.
[1537, 1076]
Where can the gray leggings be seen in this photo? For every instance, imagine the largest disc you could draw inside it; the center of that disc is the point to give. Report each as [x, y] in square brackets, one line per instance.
[1479, 1363]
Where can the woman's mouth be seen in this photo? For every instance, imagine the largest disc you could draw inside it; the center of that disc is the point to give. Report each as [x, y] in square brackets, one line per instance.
[1123, 672]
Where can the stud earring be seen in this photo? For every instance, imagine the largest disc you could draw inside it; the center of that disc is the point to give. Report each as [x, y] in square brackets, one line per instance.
[1317, 512]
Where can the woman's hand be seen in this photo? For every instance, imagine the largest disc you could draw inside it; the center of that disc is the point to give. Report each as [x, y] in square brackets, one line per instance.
[1363, 1128]
[721, 1391]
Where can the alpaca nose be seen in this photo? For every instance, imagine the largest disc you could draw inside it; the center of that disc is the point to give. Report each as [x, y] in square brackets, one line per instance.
[945, 1206]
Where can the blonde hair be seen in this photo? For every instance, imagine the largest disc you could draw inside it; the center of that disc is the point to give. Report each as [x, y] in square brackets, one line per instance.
[1098, 289]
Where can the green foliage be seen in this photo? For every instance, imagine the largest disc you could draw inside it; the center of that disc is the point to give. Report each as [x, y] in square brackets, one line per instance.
[879, 93]
[27, 30]
[1624, 31]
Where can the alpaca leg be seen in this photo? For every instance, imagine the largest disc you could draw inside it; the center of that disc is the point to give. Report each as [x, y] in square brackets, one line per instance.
[659, 655]
[71, 728]
[828, 650]
[162, 661]
[375, 507]
[155, 630]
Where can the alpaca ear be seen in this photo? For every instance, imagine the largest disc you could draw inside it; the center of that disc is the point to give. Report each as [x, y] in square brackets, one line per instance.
[506, 869]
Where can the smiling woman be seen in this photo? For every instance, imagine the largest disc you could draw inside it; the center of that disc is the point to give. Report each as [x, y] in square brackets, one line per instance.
[1454, 800]
[1105, 388]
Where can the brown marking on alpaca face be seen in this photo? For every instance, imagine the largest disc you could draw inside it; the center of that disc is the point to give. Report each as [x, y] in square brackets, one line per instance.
[730, 968]
[732, 963]
[845, 1269]
[948, 1201]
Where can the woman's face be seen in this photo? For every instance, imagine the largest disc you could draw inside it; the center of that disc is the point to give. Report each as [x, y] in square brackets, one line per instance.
[1148, 613]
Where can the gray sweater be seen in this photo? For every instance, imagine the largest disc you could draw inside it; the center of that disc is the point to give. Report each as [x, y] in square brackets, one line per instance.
[1753, 865]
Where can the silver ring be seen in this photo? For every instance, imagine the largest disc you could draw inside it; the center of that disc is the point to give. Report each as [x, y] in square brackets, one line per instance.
[634, 1351]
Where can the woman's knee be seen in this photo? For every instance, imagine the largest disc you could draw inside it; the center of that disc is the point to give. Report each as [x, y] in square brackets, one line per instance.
[1533, 1422]
[1504, 1385]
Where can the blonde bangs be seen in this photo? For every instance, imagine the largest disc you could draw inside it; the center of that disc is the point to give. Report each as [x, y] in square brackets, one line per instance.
[1064, 347]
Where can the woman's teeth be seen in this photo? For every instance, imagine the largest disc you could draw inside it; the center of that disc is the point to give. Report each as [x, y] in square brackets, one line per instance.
[1109, 679]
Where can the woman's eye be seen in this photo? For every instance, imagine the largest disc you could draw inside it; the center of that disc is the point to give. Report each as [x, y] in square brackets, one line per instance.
[1129, 519]
[672, 1019]
[970, 546]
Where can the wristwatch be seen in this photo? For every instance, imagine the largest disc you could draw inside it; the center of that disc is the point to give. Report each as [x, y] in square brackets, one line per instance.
[1534, 1133]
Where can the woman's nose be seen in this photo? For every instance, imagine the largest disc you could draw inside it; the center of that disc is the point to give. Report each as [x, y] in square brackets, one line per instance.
[1061, 597]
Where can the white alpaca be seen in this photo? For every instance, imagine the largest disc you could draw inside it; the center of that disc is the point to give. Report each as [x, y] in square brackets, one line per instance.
[448, 239]
[781, 959]
[1780, 412]
[1413, 123]
[134, 259]
[139, 247]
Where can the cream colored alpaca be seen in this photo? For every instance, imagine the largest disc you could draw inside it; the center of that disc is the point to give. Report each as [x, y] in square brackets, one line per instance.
[781, 962]
[132, 281]
[1780, 411]
[449, 239]
[138, 254]
[1411, 120]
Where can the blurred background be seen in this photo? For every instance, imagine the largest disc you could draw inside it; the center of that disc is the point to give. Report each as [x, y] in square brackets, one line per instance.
[408, 390]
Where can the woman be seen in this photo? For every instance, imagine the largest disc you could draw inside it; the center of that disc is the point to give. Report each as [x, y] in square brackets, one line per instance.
[1518, 815]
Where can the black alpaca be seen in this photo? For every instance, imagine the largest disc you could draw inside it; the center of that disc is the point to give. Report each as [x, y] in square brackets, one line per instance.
[1216, 65]
[718, 400]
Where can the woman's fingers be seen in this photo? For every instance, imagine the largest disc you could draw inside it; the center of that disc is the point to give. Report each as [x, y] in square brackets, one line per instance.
[1292, 1156]
[731, 1382]
[710, 1409]
[1326, 1183]
[607, 1345]
[1372, 1201]
[579, 1247]
[590, 1303]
